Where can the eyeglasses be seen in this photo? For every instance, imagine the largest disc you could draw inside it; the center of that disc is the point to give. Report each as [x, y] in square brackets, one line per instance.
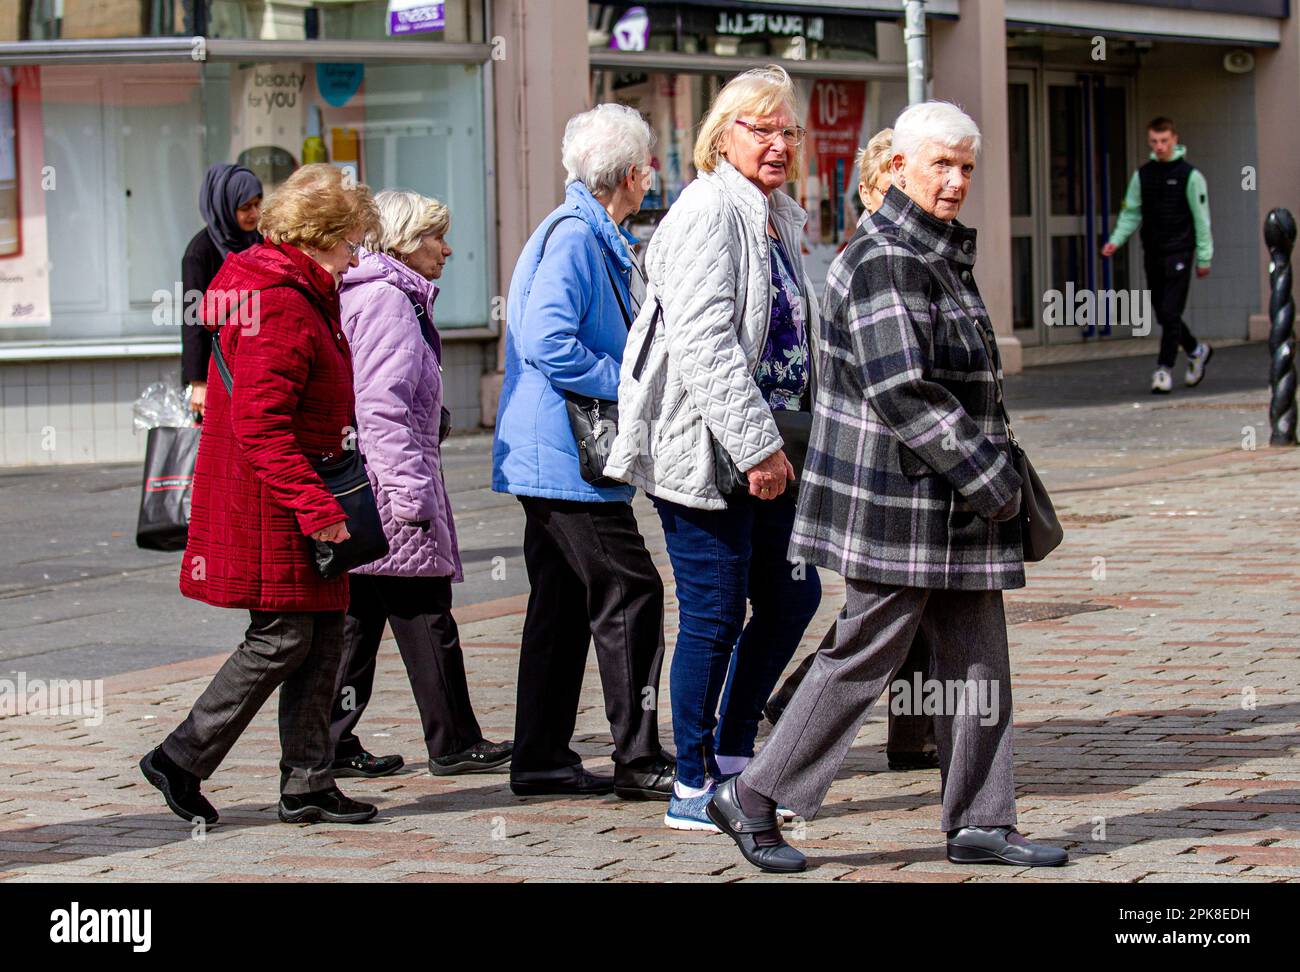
[353, 248]
[648, 178]
[793, 136]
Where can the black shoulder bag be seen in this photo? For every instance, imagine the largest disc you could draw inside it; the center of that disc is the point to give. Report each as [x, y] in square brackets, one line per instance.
[1040, 530]
[347, 481]
[594, 421]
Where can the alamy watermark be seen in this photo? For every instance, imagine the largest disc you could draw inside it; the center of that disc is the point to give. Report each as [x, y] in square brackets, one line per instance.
[1091, 308]
[950, 697]
[58, 696]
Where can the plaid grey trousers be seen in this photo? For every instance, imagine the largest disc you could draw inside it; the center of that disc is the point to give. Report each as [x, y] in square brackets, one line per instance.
[297, 652]
[967, 632]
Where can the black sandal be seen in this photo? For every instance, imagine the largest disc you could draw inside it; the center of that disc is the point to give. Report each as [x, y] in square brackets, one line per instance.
[724, 810]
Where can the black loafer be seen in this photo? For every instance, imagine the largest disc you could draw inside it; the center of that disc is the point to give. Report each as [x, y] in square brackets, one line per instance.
[650, 778]
[179, 788]
[724, 810]
[366, 765]
[568, 781]
[482, 756]
[328, 805]
[1001, 845]
[925, 760]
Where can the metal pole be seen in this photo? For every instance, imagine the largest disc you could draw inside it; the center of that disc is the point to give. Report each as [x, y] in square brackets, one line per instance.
[914, 37]
[1279, 234]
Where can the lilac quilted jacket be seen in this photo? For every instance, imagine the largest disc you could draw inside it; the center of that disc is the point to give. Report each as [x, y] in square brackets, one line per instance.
[399, 404]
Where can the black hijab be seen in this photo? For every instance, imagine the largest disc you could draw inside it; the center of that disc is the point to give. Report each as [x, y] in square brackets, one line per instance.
[225, 188]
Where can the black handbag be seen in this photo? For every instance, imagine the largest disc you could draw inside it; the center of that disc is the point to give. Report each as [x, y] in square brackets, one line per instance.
[796, 430]
[164, 520]
[1040, 529]
[348, 483]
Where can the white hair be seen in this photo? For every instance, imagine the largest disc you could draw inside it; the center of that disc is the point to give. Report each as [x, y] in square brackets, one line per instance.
[934, 121]
[404, 217]
[601, 145]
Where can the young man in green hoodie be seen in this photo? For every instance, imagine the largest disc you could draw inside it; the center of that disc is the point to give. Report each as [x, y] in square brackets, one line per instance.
[1167, 198]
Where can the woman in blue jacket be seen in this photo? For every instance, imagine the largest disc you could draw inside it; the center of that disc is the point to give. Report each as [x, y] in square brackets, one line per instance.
[573, 296]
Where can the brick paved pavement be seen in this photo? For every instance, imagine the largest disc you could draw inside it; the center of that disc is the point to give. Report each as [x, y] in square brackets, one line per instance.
[1156, 736]
[1157, 713]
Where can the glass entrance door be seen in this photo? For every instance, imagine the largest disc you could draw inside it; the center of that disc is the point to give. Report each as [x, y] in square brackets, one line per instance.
[1069, 159]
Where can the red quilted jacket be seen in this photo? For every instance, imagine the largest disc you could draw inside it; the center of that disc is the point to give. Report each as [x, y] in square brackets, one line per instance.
[256, 498]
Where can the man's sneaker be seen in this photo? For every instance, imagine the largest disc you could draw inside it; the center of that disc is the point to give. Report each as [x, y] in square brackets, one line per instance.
[688, 813]
[1162, 382]
[328, 805]
[1196, 362]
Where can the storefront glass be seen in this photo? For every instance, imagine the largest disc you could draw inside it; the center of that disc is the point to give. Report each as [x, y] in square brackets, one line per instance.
[99, 185]
[428, 20]
[840, 115]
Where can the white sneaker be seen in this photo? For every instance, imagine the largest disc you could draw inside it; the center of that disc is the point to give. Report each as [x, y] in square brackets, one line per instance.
[1162, 382]
[1196, 362]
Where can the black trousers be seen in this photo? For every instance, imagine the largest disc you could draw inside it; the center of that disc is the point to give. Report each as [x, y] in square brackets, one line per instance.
[912, 733]
[295, 652]
[1169, 278]
[591, 577]
[419, 610]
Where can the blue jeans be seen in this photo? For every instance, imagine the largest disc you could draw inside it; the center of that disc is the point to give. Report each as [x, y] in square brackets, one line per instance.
[721, 558]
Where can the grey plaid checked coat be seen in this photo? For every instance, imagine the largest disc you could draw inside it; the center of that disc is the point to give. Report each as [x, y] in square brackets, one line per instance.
[908, 456]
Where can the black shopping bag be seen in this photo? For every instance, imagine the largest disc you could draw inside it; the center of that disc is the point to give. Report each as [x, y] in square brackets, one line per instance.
[164, 522]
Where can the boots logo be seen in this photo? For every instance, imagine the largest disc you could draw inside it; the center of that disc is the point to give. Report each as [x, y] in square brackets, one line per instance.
[73, 926]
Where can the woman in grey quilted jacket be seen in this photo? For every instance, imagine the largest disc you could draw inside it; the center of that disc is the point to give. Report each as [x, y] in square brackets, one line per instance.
[724, 345]
[387, 311]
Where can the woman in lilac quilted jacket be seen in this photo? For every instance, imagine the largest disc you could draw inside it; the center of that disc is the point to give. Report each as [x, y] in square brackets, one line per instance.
[387, 302]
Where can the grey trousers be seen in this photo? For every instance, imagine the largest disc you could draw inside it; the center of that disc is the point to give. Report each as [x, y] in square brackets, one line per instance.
[967, 634]
[298, 653]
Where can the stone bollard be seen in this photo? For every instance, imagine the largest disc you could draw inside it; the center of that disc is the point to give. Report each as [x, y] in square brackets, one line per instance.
[1279, 235]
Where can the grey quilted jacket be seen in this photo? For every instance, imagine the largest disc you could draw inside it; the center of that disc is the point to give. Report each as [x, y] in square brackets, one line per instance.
[708, 267]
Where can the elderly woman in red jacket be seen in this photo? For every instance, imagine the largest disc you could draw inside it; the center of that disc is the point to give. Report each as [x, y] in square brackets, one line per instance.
[257, 501]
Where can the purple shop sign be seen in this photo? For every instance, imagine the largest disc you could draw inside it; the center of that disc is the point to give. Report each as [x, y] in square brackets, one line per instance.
[632, 32]
[415, 16]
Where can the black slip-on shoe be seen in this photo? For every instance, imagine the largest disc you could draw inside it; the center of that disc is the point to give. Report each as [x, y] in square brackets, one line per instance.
[567, 781]
[1001, 845]
[479, 758]
[366, 765]
[179, 788]
[925, 760]
[646, 779]
[330, 806]
[724, 810]
[773, 710]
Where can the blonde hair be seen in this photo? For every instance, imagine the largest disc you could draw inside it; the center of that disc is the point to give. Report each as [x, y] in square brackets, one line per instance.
[317, 208]
[873, 161]
[759, 92]
[405, 217]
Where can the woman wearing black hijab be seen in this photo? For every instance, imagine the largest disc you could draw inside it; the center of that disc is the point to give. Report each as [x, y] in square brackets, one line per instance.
[230, 202]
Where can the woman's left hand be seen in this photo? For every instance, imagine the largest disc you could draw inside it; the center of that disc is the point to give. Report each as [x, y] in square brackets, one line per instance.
[767, 480]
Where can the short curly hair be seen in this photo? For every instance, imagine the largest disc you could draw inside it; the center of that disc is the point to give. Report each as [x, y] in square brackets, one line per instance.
[873, 161]
[317, 207]
[404, 218]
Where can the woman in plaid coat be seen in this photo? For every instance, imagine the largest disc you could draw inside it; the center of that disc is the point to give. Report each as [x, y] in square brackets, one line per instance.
[909, 491]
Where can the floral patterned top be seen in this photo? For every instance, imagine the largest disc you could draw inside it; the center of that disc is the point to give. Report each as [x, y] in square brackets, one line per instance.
[782, 374]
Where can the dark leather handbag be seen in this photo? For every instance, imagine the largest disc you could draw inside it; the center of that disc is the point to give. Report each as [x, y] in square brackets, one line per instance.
[348, 483]
[795, 429]
[346, 479]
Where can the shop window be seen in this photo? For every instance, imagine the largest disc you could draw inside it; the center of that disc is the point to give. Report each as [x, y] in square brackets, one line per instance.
[99, 181]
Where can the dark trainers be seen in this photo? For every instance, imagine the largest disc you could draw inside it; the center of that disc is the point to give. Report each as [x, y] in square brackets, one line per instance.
[650, 778]
[482, 756]
[924, 759]
[328, 805]
[179, 787]
[365, 765]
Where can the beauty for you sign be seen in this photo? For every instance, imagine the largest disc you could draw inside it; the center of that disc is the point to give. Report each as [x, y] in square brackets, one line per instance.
[415, 16]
